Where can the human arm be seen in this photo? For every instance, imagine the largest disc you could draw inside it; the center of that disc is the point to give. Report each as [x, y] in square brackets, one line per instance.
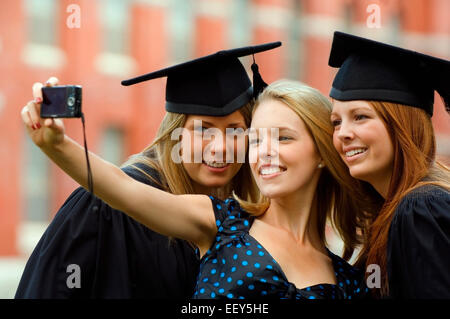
[189, 217]
[88, 233]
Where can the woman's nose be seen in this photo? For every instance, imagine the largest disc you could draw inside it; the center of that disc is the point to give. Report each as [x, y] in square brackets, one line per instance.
[269, 146]
[267, 149]
[345, 132]
[216, 143]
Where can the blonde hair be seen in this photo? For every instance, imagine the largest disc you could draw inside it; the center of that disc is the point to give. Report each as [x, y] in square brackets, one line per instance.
[173, 176]
[332, 198]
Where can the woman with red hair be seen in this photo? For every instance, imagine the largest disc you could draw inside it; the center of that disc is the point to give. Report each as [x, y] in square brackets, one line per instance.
[382, 107]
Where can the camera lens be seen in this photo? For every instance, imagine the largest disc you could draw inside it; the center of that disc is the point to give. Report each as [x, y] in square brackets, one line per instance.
[71, 101]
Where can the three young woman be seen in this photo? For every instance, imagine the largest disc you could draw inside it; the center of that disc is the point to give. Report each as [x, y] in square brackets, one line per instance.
[279, 250]
[383, 99]
[383, 103]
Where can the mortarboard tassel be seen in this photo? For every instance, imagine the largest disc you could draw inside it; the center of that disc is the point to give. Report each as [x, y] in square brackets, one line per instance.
[258, 82]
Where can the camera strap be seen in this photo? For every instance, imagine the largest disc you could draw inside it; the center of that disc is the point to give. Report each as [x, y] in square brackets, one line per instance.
[90, 182]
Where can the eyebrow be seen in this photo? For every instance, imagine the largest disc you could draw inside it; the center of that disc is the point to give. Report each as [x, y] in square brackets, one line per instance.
[282, 128]
[212, 125]
[353, 109]
[228, 125]
[286, 129]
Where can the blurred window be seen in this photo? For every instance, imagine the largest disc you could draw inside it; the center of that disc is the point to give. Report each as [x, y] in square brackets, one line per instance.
[295, 43]
[112, 145]
[181, 21]
[115, 18]
[348, 17]
[42, 17]
[395, 27]
[36, 183]
[240, 23]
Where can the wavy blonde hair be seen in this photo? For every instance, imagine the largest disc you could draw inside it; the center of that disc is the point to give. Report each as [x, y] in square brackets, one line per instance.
[333, 197]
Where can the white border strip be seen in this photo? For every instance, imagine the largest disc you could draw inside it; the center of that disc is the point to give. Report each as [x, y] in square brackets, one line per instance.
[271, 16]
[115, 64]
[213, 8]
[436, 44]
[43, 56]
[320, 26]
[157, 3]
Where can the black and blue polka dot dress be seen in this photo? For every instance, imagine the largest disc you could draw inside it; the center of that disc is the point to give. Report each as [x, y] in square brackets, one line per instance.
[238, 267]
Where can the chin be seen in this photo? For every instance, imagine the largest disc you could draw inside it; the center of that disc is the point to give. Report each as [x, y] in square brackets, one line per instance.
[360, 174]
[272, 193]
[215, 182]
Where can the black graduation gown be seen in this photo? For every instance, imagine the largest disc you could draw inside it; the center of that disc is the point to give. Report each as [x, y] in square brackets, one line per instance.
[117, 256]
[418, 254]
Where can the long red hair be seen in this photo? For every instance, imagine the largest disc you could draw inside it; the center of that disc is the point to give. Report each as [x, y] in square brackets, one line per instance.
[412, 135]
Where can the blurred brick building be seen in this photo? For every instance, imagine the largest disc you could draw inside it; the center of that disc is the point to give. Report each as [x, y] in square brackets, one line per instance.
[98, 43]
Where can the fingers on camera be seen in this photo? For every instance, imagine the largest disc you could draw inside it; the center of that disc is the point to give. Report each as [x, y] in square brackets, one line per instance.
[37, 92]
[52, 81]
[30, 115]
[31, 112]
[26, 117]
[49, 123]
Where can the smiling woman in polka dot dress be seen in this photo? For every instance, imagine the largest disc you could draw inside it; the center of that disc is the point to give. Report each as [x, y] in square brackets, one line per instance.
[274, 248]
[238, 266]
[302, 183]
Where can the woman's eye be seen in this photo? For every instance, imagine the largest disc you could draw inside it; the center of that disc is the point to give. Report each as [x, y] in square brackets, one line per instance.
[240, 131]
[200, 129]
[336, 122]
[360, 117]
[284, 138]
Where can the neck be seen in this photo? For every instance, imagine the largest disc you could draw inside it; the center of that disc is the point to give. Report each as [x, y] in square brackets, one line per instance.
[219, 192]
[294, 214]
[381, 185]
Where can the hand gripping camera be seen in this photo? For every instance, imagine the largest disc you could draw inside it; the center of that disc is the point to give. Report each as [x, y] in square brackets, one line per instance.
[61, 101]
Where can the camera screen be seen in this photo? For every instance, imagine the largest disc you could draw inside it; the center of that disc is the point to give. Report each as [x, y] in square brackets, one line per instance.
[54, 101]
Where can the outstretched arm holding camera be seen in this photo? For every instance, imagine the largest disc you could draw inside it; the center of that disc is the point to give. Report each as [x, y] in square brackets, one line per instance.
[189, 217]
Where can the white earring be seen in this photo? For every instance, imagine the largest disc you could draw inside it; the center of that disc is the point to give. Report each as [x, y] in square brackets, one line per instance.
[321, 165]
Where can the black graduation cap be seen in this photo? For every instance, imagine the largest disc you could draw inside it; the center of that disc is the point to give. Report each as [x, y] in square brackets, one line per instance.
[371, 70]
[215, 84]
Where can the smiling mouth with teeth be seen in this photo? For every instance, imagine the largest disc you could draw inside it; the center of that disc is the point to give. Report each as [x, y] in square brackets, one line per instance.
[355, 152]
[215, 165]
[271, 170]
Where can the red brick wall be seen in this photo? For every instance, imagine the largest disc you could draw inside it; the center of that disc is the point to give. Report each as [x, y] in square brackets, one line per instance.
[138, 110]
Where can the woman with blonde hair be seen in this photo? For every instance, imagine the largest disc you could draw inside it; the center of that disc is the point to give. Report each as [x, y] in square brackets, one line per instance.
[383, 103]
[119, 257]
[279, 251]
